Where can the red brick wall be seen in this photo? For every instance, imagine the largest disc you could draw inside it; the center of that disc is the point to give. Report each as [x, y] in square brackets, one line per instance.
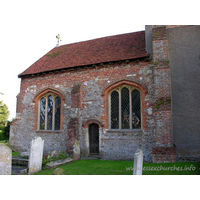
[160, 44]
[164, 154]
[163, 150]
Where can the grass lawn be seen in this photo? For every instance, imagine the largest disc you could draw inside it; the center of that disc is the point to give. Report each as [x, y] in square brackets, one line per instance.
[15, 153]
[3, 141]
[6, 143]
[107, 167]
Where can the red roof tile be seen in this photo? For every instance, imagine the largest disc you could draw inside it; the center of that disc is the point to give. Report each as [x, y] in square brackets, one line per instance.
[107, 49]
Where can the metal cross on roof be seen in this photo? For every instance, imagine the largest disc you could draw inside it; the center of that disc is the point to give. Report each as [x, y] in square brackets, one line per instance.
[59, 39]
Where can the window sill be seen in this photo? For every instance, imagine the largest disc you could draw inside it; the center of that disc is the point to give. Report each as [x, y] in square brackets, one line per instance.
[47, 131]
[123, 130]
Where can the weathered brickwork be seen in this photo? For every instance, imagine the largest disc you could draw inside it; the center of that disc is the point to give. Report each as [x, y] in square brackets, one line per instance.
[164, 154]
[162, 91]
[160, 44]
[174, 26]
[84, 93]
[84, 99]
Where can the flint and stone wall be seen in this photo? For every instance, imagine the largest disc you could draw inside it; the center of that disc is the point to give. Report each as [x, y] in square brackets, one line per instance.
[84, 98]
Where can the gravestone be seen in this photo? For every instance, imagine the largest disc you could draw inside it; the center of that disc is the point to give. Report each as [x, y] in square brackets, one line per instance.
[5, 160]
[58, 163]
[59, 171]
[24, 153]
[138, 162]
[35, 156]
[76, 150]
[55, 153]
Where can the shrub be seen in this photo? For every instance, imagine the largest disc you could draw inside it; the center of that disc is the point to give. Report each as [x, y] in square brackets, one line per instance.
[4, 134]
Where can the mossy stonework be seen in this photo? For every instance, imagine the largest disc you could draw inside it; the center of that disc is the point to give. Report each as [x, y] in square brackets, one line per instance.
[162, 102]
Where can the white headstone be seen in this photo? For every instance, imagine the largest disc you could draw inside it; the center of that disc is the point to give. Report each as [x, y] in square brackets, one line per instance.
[138, 162]
[35, 156]
[5, 160]
[76, 150]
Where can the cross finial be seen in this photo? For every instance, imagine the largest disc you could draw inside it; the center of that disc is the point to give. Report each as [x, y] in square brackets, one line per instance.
[59, 39]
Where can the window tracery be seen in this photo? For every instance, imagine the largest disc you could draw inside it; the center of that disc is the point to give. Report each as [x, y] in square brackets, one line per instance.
[125, 108]
[49, 112]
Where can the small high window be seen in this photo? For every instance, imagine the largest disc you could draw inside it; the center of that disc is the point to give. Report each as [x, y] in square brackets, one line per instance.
[125, 108]
[49, 112]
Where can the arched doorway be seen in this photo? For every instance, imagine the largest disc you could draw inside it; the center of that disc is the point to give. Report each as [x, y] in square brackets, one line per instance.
[94, 138]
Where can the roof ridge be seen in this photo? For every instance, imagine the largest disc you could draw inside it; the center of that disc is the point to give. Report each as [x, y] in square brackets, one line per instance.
[106, 49]
[97, 38]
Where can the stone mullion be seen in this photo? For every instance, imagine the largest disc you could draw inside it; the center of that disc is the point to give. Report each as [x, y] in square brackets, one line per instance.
[53, 117]
[39, 108]
[120, 117]
[130, 107]
[109, 114]
[46, 112]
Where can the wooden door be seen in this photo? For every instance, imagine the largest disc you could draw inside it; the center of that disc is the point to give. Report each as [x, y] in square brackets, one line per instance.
[94, 138]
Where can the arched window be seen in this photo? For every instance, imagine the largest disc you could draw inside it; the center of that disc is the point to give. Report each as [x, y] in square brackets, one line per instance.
[125, 108]
[49, 112]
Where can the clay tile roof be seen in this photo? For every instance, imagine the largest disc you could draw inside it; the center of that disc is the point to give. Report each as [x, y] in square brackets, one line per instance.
[107, 49]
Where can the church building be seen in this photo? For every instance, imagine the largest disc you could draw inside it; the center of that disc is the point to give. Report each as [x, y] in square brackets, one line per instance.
[115, 95]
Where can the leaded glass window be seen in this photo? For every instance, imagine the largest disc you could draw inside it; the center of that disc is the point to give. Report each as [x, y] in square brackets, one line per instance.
[115, 110]
[57, 113]
[136, 115]
[50, 112]
[125, 108]
[42, 113]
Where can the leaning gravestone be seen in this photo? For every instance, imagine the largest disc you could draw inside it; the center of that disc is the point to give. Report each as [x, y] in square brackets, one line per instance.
[35, 156]
[76, 150]
[5, 160]
[138, 162]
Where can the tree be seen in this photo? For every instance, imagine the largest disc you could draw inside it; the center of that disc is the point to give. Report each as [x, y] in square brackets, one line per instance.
[4, 112]
[5, 131]
[4, 123]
